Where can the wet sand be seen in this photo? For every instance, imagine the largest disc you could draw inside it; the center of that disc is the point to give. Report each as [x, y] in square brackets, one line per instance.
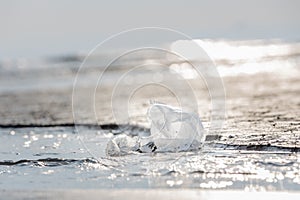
[262, 111]
[256, 150]
[145, 194]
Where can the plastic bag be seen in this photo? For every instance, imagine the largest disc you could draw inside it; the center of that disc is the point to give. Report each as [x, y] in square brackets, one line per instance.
[122, 145]
[173, 129]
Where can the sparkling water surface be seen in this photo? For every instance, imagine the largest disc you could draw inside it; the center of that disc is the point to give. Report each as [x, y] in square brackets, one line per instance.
[55, 158]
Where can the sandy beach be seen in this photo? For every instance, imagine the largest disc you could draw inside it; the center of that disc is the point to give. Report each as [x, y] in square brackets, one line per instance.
[145, 194]
[257, 149]
[149, 100]
[261, 109]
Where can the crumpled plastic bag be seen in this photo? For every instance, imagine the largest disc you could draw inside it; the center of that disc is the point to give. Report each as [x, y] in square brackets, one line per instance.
[172, 130]
[122, 145]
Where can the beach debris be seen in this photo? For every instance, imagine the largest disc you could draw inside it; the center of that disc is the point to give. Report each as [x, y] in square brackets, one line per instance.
[172, 130]
[122, 145]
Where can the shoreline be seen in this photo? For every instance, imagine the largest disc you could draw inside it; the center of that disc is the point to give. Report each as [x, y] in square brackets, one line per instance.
[145, 194]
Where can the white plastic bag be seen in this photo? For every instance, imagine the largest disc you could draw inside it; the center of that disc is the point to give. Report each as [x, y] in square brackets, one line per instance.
[173, 129]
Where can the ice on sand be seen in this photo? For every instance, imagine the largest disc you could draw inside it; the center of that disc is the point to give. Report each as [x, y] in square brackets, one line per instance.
[172, 130]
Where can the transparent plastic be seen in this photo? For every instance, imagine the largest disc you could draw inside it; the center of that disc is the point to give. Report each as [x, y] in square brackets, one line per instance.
[172, 130]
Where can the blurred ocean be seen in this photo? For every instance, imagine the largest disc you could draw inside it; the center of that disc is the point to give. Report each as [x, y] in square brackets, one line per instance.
[232, 58]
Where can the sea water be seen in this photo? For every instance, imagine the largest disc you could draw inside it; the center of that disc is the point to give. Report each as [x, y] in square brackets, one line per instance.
[42, 158]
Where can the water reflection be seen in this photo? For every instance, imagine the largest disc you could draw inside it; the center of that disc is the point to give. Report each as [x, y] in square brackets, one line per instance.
[56, 155]
[234, 58]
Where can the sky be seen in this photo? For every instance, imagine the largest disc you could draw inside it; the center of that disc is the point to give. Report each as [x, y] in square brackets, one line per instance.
[36, 28]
